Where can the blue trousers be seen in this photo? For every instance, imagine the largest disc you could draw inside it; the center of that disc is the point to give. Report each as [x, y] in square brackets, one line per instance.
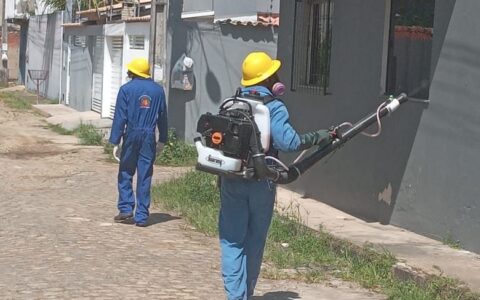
[245, 216]
[138, 155]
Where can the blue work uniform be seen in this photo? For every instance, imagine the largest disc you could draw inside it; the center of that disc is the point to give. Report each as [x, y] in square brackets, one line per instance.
[247, 208]
[140, 107]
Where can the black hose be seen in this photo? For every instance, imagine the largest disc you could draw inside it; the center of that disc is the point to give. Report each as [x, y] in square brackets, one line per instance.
[296, 169]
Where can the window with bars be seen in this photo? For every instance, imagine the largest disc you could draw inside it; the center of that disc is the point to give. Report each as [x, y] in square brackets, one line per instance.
[80, 41]
[312, 45]
[137, 42]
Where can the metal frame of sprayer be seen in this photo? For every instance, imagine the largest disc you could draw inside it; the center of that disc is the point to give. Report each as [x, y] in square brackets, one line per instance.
[254, 165]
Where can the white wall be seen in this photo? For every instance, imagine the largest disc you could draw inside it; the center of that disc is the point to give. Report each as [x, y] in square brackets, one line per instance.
[142, 28]
[125, 30]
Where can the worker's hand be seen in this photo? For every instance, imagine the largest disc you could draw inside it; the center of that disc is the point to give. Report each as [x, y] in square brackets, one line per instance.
[159, 148]
[116, 152]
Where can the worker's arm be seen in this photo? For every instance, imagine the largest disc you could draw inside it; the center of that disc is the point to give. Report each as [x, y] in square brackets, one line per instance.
[119, 118]
[285, 137]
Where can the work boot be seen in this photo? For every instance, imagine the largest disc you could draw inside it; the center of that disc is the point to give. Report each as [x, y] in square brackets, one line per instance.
[122, 217]
[141, 224]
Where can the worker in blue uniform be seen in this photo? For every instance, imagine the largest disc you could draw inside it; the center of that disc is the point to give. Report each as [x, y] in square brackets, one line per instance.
[140, 108]
[247, 205]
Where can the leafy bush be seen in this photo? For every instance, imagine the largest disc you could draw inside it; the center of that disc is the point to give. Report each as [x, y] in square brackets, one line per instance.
[176, 152]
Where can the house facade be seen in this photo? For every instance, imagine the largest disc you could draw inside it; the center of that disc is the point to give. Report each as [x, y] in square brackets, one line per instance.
[97, 56]
[341, 59]
[217, 36]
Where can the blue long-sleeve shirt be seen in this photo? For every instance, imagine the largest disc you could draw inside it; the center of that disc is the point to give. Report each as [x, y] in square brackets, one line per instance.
[284, 137]
[140, 104]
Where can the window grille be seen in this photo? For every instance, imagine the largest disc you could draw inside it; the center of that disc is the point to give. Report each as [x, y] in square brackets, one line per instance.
[137, 42]
[80, 41]
[312, 45]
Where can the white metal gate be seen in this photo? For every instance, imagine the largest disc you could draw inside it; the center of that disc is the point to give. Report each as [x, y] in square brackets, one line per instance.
[116, 76]
[97, 83]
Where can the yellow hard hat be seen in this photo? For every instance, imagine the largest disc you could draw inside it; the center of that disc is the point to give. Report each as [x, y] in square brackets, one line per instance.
[140, 67]
[257, 67]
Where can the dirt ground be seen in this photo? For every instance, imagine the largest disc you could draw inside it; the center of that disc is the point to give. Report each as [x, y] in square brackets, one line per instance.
[58, 241]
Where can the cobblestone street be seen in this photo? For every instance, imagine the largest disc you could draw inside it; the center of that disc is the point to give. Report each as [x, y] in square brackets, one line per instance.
[57, 239]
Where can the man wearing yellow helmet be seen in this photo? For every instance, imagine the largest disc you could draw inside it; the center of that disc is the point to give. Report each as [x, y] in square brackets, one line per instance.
[246, 205]
[140, 108]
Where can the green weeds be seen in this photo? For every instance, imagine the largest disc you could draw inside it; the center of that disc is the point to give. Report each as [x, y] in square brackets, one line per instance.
[295, 251]
[15, 101]
[88, 135]
[177, 153]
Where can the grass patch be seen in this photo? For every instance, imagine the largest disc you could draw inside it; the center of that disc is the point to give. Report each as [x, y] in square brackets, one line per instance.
[450, 241]
[15, 101]
[88, 135]
[195, 196]
[177, 153]
[312, 255]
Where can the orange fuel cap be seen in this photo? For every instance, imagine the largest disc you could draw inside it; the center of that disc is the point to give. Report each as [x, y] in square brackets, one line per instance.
[217, 138]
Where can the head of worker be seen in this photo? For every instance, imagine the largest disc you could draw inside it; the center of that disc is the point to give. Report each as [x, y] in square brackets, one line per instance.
[259, 69]
[138, 68]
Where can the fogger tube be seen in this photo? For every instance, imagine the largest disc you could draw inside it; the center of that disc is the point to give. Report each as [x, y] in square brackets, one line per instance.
[296, 169]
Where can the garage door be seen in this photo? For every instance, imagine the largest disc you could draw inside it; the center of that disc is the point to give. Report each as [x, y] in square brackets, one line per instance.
[116, 76]
[97, 84]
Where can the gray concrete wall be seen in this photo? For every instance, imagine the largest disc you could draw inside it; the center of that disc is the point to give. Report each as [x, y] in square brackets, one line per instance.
[439, 195]
[355, 175]
[81, 74]
[43, 52]
[218, 52]
[422, 172]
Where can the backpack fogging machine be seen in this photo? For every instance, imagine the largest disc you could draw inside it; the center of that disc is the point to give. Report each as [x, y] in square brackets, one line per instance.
[235, 142]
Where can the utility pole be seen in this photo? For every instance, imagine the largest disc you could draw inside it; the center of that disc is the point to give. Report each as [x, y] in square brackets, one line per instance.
[157, 56]
[4, 68]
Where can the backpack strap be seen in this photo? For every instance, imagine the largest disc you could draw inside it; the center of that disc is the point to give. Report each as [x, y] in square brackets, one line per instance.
[256, 95]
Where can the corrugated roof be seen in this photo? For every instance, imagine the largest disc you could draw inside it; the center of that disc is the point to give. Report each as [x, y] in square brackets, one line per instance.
[414, 32]
[107, 7]
[264, 20]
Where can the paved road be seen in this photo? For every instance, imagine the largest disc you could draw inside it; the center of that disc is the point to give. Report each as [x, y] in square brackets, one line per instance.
[57, 239]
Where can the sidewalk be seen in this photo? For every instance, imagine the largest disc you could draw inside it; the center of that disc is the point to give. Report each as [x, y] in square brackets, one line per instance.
[416, 251]
[69, 118]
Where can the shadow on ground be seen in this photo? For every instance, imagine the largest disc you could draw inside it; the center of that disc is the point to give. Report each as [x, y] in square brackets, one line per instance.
[154, 218]
[278, 296]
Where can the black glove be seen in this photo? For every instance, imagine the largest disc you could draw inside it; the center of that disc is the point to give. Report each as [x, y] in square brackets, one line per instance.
[320, 137]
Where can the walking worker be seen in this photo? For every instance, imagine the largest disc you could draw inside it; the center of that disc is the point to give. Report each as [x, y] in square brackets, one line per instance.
[247, 205]
[140, 108]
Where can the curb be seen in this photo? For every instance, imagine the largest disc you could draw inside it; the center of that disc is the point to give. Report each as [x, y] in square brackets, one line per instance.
[41, 112]
[404, 272]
